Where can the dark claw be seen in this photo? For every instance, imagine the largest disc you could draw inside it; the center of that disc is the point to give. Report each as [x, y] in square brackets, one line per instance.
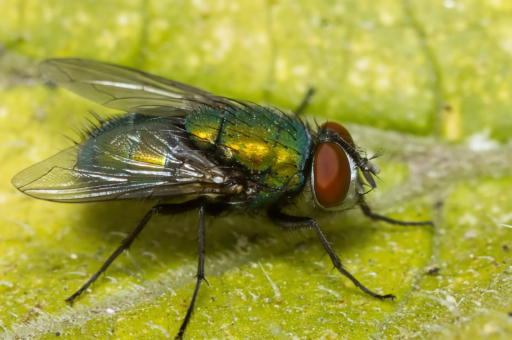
[70, 300]
[384, 297]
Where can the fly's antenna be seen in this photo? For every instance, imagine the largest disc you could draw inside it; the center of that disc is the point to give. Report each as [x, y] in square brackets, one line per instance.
[369, 170]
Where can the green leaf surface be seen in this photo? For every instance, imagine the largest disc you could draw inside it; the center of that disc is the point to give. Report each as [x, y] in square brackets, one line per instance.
[428, 82]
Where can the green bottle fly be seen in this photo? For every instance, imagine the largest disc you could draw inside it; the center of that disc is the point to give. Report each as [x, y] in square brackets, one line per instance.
[187, 149]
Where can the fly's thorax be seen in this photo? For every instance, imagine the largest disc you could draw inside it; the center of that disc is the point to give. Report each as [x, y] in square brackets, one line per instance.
[272, 147]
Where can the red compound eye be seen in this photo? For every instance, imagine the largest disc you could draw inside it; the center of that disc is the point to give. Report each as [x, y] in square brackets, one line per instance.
[340, 130]
[331, 173]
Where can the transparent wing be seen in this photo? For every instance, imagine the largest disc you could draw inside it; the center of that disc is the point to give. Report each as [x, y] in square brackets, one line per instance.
[127, 89]
[128, 163]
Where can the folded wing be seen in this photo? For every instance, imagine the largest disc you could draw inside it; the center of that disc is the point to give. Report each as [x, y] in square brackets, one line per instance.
[127, 89]
[141, 162]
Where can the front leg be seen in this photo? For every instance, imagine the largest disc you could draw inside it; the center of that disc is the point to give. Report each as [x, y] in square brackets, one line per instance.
[297, 222]
[376, 217]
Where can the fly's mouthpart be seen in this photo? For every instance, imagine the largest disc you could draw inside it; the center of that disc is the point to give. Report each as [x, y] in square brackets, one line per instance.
[368, 169]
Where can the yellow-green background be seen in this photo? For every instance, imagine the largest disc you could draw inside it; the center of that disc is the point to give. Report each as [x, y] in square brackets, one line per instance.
[423, 80]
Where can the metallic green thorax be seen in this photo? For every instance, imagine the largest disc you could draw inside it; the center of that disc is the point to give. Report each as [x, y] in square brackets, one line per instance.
[271, 145]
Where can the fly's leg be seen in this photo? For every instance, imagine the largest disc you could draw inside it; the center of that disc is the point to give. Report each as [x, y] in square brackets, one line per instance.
[297, 222]
[161, 209]
[305, 101]
[376, 217]
[200, 273]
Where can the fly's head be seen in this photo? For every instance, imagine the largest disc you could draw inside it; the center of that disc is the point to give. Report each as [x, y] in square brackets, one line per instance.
[336, 183]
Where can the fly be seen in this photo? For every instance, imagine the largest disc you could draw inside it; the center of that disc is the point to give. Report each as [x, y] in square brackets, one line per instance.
[222, 155]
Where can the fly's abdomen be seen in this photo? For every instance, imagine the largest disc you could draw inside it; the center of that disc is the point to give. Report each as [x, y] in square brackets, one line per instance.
[270, 144]
[133, 145]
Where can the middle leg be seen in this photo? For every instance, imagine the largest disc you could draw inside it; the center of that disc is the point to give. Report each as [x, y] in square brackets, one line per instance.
[376, 217]
[200, 272]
